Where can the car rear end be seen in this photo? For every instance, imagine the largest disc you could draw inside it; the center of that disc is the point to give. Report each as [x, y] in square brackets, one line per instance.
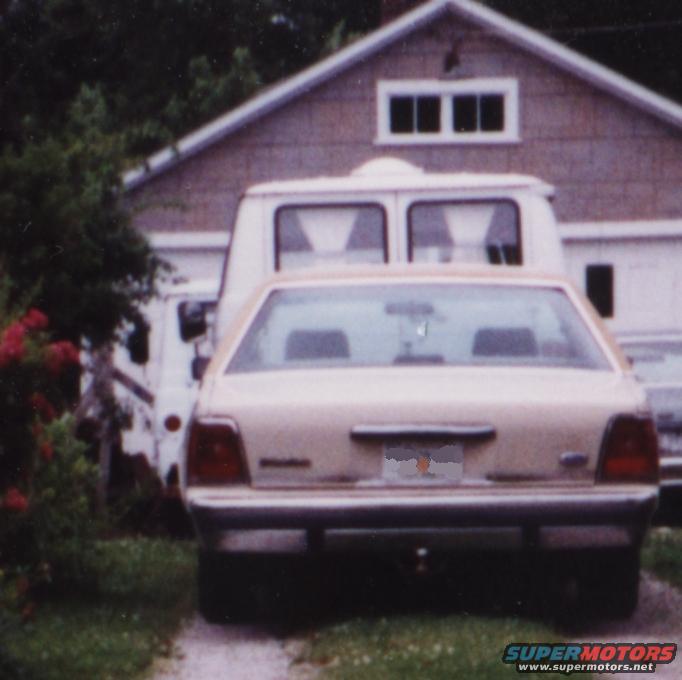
[404, 414]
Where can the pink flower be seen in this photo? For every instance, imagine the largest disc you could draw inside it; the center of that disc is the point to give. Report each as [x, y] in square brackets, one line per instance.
[35, 320]
[46, 451]
[61, 354]
[42, 407]
[15, 500]
[12, 344]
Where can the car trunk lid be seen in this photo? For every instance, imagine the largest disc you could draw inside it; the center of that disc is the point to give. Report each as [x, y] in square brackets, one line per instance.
[422, 425]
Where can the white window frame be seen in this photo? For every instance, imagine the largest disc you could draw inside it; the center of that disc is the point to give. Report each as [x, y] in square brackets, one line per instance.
[507, 87]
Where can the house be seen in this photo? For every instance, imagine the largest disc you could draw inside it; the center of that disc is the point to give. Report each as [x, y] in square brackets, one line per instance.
[451, 86]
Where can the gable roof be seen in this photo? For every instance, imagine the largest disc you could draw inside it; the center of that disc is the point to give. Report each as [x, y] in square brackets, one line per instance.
[498, 24]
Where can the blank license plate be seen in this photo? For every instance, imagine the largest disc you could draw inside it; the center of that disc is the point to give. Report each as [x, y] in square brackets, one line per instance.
[423, 462]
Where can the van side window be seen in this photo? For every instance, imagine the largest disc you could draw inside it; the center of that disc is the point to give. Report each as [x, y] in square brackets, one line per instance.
[323, 235]
[465, 231]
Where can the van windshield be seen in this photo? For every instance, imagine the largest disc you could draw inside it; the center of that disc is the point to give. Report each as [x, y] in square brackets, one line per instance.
[470, 231]
[308, 236]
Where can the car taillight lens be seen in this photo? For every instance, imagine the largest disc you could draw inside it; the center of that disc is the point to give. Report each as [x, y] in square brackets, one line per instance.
[214, 455]
[630, 451]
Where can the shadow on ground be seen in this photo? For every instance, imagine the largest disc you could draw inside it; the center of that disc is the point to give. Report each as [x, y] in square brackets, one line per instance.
[290, 595]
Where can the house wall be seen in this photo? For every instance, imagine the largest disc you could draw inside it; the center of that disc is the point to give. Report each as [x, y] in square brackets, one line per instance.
[608, 159]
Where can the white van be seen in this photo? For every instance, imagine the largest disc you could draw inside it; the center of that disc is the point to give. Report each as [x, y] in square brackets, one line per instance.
[156, 375]
[388, 210]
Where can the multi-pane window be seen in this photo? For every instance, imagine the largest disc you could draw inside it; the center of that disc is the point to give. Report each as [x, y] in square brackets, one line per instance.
[478, 113]
[415, 114]
[465, 111]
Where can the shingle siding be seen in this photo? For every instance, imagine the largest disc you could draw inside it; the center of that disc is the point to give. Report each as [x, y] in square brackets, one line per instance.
[607, 158]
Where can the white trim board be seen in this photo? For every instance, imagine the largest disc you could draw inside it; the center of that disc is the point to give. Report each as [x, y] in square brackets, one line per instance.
[512, 31]
[571, 232]
[188, 240]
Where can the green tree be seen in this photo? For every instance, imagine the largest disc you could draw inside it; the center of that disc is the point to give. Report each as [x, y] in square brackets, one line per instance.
[152, 57]
[66, 241]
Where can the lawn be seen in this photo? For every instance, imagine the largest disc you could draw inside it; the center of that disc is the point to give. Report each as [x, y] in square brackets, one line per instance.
[416, 647]
[146, 588]
[455, 645]
[662, 555]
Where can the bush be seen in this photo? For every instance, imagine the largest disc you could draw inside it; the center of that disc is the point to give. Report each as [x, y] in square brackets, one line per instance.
[47, 485]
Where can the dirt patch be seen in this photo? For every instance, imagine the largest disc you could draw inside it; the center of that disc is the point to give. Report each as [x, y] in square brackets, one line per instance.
[205, 651]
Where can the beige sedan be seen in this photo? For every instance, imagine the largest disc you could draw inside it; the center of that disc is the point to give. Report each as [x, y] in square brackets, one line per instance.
[419, 410]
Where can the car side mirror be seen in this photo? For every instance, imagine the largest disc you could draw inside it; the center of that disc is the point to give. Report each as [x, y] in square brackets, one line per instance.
[137, 343]
[199, 365]
[192, 318]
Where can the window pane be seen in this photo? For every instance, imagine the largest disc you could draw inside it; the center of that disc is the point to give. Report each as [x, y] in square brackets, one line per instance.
[599, 287]
[322, 235]
[464, 232]
[384, 325]
[402, 114]
[465, 114]
[492, 112]
[428, 114]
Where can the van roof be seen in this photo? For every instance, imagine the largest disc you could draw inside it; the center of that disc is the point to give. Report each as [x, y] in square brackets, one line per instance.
[394, 174]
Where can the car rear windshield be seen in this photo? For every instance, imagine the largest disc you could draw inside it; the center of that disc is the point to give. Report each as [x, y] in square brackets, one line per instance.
[417, 324]
[464, 231]
[308, 236]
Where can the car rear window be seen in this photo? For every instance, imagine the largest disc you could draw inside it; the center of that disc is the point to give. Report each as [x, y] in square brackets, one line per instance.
[417, 324]
[464, 231]
[308, 236]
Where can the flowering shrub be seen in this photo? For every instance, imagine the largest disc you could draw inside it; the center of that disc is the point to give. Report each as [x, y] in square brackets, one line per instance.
[30, 391]
[14, 500]
[47, 485]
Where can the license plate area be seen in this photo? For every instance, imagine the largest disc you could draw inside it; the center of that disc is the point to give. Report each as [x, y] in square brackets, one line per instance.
[423, 462]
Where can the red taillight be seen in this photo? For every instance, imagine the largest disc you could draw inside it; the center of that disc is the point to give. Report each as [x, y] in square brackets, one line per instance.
[214, 455]
[630, 451]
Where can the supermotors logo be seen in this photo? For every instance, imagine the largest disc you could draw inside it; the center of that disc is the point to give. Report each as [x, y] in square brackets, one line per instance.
[589, 657]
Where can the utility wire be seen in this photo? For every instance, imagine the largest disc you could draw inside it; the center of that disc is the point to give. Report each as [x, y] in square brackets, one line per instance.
[623, 28]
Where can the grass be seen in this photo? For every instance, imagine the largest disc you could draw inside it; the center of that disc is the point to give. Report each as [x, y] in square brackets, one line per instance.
[145, 589]
[662, 555]
[458, 645]
[418, 647]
